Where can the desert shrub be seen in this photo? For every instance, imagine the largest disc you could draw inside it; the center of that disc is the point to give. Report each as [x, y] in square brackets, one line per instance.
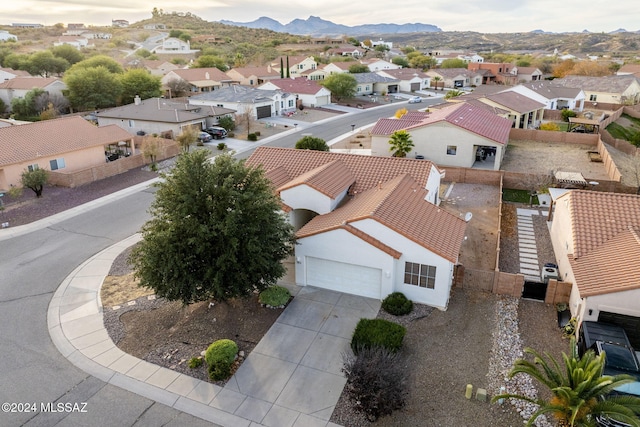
[397, 304]
[195, 362]
[376, 381]
[257, 133]
[550, 126]
[377, 333]
[221, 146]
[568, 113]
[219, 357]
[227, 122]
[275, 296]
[252, 137]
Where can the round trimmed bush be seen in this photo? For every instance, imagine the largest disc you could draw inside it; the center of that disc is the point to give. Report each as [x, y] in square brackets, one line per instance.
[252, 137]
[377, 333]
[397, 304]
[274, 296]
[219, 357]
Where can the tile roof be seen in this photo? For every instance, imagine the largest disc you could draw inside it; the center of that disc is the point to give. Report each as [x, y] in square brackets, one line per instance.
[330, 179]
[343, 65]
[605, 235]
[15, 72]
[263, 71]
[464, 115]
[405, 73]
[237, 93]
[515, 102]
[367, 170]
[52, 137]
[163, 110]
[629, 69]
[298, 85]
[611, 84]
[400, 205]
[201, 74]
[552, 91]
[372, 78]
[452, 72]
[28, 83]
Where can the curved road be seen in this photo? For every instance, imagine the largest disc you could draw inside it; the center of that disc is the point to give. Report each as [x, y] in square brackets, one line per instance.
[33, 265]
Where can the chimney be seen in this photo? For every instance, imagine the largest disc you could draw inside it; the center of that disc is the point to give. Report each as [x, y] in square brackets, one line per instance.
[137, 100]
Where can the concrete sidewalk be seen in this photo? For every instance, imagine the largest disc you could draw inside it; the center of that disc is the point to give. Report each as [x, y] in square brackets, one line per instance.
[291, 378]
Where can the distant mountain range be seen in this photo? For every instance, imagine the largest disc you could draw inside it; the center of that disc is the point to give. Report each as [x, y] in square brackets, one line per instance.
[314, 26]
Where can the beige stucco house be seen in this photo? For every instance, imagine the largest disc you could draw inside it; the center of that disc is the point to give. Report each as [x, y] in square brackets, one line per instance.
[624, 89]
[18, 87]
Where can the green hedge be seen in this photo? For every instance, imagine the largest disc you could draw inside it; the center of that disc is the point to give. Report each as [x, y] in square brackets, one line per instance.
[397, 304]
[274, 296]
[377, 333]
[219, 357]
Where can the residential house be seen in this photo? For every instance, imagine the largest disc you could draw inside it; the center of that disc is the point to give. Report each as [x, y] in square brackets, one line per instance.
[623, 89]
[380, 42]
[297, 65]
[18, 87]
[471, 58]
[120, 23]
[174, 45]
[354, 235]
[596, 240]
[199, 79]
[338, 67]
[460, 134]
[348, 50]
[527, 74]
[10, 73]
[498, 72]
[628, 69]
[158, 67]
[252, 76]
[553, 96]
[314, 75]
[524, 112]
[456, 78]
[373, 83]
[64, 144]
[258, 103]
[308, 92]
[161, 116]
[376, 64]
[6, 36]
[411, 79]
[76, 41]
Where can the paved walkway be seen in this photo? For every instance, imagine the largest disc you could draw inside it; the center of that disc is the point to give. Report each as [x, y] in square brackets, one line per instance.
[528, 251]
[291, 378]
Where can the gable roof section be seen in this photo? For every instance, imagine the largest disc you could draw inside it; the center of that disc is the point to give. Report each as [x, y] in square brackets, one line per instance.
[237, 93]
[404, 73]
[201, 74]
[28, 83]
[400, 205]
[608, 84]
[515, 102]
[372, 78]
[367, 170]
[604, 270]
[52, 137]
[329, 179]
[162, 110]
[386, 126]
[552, 91]
[298, 85]
[263, 71]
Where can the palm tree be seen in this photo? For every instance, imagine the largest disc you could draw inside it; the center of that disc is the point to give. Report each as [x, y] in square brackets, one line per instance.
[580, 391]
[400, 143]
[436, 79]
[453, 93]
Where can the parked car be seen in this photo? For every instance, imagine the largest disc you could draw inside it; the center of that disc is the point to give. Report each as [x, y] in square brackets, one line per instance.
[217, 132]
[415, 100]
[204, 137]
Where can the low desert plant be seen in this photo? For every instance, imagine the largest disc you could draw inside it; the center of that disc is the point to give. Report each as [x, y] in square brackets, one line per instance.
[550, 126]
[221, 146]
[397, 304]
[195, 362]
[252, 137]
[568, 113]
[274, 296]
[377, 333]
[219, 357]
[376, 381]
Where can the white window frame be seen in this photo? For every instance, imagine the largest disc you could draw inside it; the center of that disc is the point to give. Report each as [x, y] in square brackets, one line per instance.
[452, 150]
[421, 275]
[33, 167]
[56, 164]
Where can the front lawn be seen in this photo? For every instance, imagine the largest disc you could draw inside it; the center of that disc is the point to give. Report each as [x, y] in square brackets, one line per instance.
[630, 133]
[517, 196]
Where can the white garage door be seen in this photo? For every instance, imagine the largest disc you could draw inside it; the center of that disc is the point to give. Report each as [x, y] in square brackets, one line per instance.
[343, 277]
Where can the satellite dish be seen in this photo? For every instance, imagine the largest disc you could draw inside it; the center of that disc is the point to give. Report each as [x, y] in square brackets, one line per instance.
[468, 216]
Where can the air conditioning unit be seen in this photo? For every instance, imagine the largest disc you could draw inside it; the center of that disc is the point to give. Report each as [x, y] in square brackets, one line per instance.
[550, 271]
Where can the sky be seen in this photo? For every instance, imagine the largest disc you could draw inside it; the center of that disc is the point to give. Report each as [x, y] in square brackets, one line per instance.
[488, 16]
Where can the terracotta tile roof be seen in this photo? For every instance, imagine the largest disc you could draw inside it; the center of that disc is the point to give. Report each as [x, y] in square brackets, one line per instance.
[464, 115]
[367, 170]
[297, 85]
[604, 270]
[15, 72]
[52, 137]
[263, 71]
[344, 65]
[278, 176]
[201, 74]
[28, 83]
[330, 179]
[515, 102]
[400, 205]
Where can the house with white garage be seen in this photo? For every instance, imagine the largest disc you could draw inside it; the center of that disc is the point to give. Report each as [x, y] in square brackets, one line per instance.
[261, 103]
[623, 89]
[459, 134]
[308, 92]
[410, 79]
[375, 84]
[596, 239]
[553, 96]
[199, 79]
[456, 78]
[366, 225]
[524, 112]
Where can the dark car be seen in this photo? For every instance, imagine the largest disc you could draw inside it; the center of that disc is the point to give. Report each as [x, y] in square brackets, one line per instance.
[204, 137]
[216, 132]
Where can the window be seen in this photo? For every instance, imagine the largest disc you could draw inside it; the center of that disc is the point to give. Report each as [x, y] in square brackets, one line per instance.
[592, 98]
[33, 167]
[451, 150]
[132, 123]
[57, 164]
[420, 275]
[291, 103]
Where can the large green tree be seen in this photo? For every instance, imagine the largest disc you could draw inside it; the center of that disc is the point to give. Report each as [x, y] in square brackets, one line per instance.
[99, 61]
[216, 232]
[92, 88]
[453, 63]
[210, 61]
[309, 142]
[45, 64]
[139, 82]
[68, 52]
[400, 143]
[341, 85]
[579, 391]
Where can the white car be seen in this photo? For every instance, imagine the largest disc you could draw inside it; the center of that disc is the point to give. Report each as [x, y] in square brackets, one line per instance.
[415, 100]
